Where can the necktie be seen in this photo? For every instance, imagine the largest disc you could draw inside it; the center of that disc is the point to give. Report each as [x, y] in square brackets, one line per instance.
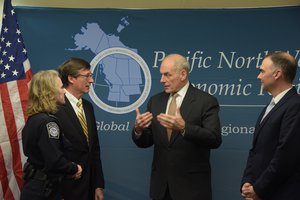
[269, 108]
[82, 118]
[172, 111]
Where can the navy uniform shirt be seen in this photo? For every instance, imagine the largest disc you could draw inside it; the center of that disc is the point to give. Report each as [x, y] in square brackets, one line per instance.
[43, 144]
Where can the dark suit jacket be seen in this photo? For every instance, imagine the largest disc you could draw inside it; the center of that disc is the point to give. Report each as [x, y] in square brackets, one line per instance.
[88, 156]
[273, 166]
[183, 163]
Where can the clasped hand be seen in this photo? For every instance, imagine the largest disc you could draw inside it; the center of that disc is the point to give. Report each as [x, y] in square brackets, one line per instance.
[78, 173]
[248, 192]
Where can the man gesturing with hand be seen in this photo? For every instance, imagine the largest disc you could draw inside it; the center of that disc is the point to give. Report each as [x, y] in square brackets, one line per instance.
[183, 124]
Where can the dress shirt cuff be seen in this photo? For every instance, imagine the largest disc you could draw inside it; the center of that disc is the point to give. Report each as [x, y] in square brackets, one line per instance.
[182, 132]
[137, 135]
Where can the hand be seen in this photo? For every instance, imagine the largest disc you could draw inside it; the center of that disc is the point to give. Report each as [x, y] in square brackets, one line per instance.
[99, 194]
[175, 122]
[78, 173]
[248, 192]
[142, 120]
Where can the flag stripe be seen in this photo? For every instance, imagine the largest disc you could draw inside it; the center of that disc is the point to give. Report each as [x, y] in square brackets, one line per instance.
[23, 87]
[12, 182]
[10, 119]
[7, 193]
[14, 93]
[15, 74]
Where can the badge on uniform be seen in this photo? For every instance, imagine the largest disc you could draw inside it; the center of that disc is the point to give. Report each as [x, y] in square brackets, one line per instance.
[53, 130]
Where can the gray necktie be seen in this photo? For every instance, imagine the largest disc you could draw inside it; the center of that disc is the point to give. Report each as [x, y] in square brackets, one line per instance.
[269, 108]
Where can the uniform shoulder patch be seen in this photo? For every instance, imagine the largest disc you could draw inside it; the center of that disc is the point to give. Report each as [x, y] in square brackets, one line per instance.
[53, 130]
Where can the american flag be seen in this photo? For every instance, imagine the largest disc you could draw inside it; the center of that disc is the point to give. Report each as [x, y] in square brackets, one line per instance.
[15, 74]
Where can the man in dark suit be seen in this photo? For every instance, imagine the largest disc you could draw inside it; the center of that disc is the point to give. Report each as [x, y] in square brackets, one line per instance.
[273, 167]
[182, 140]
[79, 127]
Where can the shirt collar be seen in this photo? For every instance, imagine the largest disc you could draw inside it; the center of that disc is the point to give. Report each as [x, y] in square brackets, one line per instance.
[280, 95]
[183, 90]
[73, 100]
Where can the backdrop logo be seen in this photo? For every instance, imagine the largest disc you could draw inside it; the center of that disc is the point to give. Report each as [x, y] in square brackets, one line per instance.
[122, 80]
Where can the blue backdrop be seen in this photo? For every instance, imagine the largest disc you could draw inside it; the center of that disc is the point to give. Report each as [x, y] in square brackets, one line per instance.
[224, 47]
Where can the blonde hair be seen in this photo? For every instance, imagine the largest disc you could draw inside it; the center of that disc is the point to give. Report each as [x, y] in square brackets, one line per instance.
[42, 93]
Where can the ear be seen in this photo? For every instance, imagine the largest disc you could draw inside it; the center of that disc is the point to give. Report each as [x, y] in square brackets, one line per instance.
[71, 79]
[183, 75]
[278, 74]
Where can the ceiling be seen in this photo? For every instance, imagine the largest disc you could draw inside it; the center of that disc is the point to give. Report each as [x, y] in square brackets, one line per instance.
[154, 4]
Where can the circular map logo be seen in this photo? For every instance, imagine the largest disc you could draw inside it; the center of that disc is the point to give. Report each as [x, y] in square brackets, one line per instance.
[122, 80]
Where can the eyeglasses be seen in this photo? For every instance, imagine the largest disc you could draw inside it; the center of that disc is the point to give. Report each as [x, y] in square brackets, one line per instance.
[86, 75]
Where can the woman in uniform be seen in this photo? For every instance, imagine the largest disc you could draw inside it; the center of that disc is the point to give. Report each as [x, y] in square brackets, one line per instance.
[43, 142]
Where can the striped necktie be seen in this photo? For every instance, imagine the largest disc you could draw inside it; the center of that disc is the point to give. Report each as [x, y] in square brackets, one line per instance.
[82, 119]
[172, 111]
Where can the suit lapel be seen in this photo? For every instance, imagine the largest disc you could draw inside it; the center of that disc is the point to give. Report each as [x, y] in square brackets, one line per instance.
[184, 110]
[72, 115]
[259, 125]
[88, 120]
[163, 101]
[279, 104]
[186, 103]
